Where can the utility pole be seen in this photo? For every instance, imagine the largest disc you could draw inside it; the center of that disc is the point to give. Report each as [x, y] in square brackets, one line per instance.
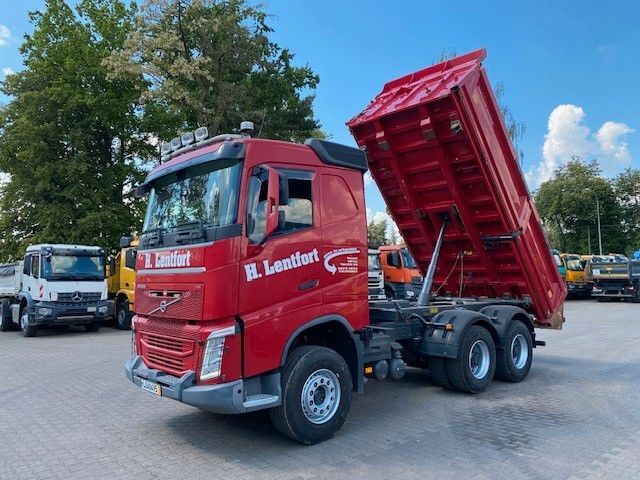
[599, 230]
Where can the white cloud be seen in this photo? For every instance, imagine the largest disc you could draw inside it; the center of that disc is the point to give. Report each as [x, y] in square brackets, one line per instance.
[5, 35]
[568, 135]
[368, 179]
[392, 228]
[7, 71]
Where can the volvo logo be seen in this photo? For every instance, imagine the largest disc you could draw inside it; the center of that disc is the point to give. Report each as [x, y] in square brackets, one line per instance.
[163, 306]
[76, 296]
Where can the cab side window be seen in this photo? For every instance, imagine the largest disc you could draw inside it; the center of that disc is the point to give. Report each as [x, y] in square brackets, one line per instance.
[298, 212]
[35, 266]
[26, 268]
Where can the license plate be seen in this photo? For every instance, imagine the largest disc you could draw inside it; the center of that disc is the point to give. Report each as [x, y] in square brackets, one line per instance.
[91, 309]
[151, 387]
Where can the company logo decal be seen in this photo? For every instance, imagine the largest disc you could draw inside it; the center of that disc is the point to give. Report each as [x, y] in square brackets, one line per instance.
[76, 296]
[349, 264]
[340, 260]
[295, 260]
[173, 259]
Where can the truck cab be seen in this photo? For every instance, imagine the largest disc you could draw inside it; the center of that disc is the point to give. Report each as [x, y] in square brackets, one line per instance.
[575, 275]
[57, 285]
[376, 278]
[402, 278]
[121, 281]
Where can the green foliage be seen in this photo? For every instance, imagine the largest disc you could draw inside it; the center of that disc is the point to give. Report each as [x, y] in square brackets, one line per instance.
[211, 62]
[568, 206]
[627, 188]
[377, 234]
[66, 182]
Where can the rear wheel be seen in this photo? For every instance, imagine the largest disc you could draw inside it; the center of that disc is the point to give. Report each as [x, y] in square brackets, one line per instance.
[473, 369]
[316, 395]
[6, 322]
[513, 362]
[26, 329]
[123, 315]
[636, 293]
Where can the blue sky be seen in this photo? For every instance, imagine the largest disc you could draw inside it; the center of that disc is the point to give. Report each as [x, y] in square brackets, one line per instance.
[577, 62]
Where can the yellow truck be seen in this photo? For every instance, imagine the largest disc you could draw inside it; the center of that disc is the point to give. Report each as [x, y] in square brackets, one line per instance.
[575, 275]
[121, 276]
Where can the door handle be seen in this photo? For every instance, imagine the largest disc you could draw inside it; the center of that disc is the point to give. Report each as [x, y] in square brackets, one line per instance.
[308, 284]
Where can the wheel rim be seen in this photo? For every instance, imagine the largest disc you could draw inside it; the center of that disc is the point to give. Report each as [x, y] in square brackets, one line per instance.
[121, 316]
[519, 351]
[320, 396]
[24, 321]
[479, 359]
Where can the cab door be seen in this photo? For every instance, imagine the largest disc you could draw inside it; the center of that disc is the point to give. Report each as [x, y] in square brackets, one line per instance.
[31, 281]
[280, 270]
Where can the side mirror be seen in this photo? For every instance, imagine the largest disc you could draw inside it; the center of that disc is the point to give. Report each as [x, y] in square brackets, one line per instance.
[273, 200]
[112, 266]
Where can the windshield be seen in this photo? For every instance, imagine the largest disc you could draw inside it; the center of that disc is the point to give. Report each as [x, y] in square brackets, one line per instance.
[206, 194]
[407, 259]
[574, 264]
[73, 267]
[374, 261]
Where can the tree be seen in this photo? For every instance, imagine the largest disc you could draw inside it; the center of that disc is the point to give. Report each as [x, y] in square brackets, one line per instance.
[56, 133]
[568, 206]
[212, 63]
[377, 233]
[627, 188]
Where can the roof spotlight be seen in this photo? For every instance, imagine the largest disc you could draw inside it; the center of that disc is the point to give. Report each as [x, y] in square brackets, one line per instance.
[165, 149]
[187, 138]
[201, 133]
[176, 143]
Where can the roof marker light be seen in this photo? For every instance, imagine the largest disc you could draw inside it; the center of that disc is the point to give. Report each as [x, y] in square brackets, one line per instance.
[165, 149]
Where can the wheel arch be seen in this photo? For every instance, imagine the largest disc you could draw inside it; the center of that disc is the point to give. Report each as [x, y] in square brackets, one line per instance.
[335, 332]
[501, 317]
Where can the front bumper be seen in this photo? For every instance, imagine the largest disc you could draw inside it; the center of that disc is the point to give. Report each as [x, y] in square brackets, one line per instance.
[225, 398]
[54, 313]
[578, 288]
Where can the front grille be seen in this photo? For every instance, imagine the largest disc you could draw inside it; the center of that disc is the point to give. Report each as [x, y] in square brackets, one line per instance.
[168, 343]
[168, 354]
[85, 297]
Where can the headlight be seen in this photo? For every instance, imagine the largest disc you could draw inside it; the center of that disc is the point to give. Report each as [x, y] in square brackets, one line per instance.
[212, 357]
[102, 309]
[410, 293]
[44, 311]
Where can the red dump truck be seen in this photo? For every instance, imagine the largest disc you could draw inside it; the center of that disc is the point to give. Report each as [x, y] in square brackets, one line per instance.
[251, 276]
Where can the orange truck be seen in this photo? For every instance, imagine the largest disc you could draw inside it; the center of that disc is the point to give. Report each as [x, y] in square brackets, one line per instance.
[402, 278]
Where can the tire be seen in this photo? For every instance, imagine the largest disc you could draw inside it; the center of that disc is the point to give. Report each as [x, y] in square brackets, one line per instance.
[438, 372]
[123, 315]
[6, 322]
[513, 362]
[26, 329]
[476, 340]
[303, 366]
[93, 326]
[636, 294]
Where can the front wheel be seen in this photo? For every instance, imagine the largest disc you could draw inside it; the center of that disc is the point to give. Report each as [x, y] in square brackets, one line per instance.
[26, 329]
[123, 315]
[473, 369]
[514, 360]
[316, 395]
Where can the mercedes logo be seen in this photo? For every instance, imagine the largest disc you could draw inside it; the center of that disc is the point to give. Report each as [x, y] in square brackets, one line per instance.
[76, 296]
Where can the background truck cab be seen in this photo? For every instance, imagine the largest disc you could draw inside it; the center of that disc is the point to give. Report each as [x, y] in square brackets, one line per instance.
[55, 285]
[376, 278]
[575, 275]
[402, 278]
[121, 281]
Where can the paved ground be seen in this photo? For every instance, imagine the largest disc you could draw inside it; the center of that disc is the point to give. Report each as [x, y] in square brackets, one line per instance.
[66, 411]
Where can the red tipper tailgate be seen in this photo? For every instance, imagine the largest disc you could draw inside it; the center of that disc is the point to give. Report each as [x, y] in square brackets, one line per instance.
[436, 144]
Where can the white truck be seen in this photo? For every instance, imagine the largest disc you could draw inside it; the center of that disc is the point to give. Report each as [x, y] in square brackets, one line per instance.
[54, 285]
[376, 278]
